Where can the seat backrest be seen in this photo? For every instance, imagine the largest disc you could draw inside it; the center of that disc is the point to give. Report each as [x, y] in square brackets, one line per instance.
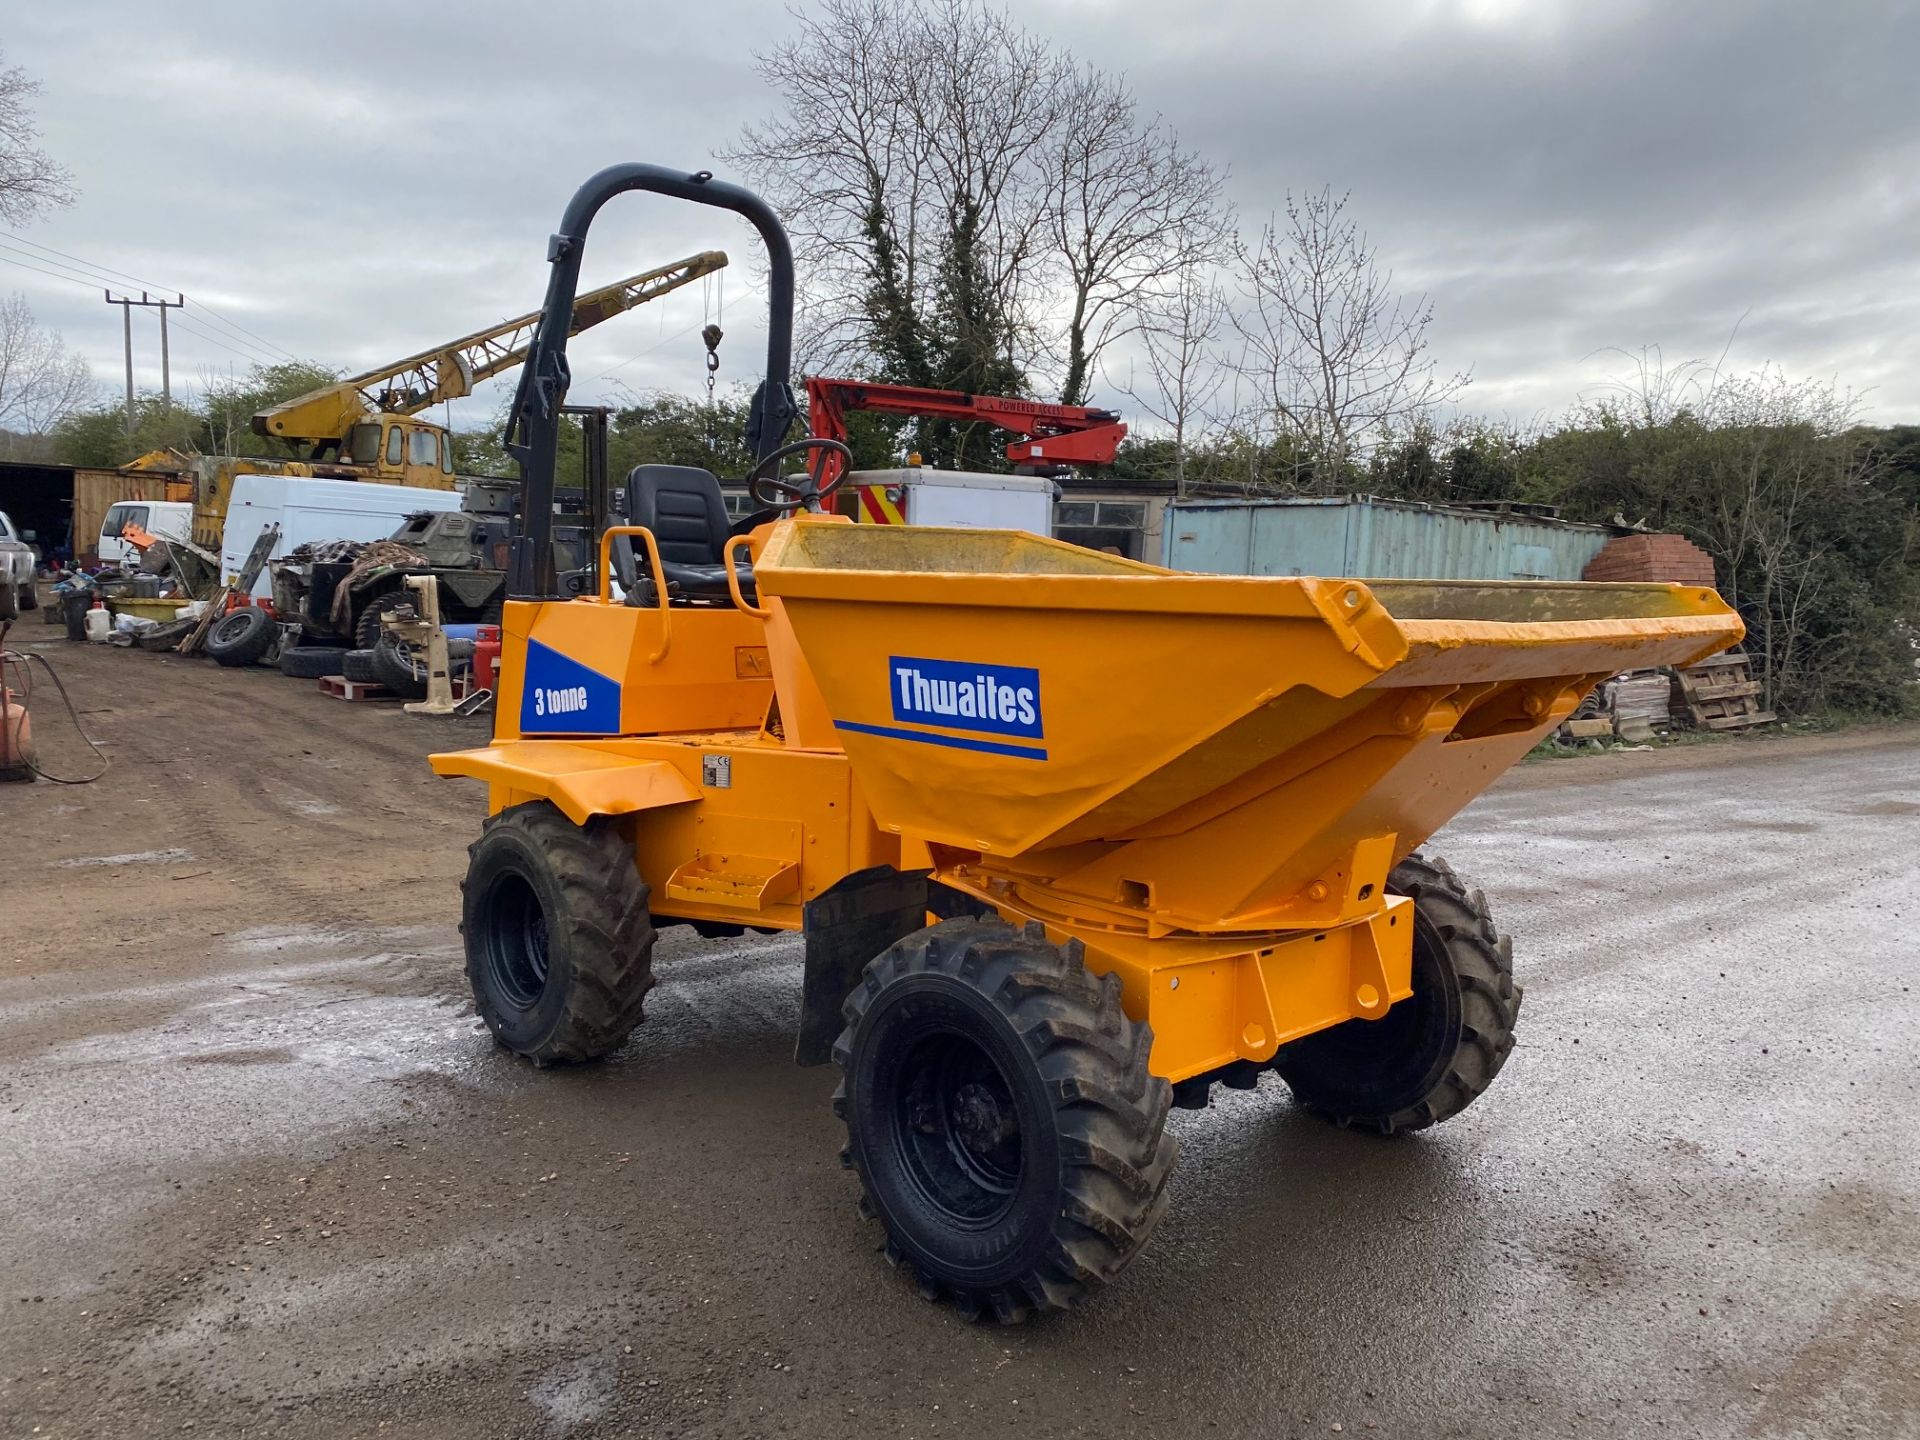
[681, 504]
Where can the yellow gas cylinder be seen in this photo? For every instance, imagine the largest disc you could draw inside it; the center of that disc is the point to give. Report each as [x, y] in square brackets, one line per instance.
[16, 738]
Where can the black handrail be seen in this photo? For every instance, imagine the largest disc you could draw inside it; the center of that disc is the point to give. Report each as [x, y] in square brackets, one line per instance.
[533, 433]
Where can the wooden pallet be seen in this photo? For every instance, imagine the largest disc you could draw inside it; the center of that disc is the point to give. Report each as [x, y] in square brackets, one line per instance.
[341, 688]
[1720, 693]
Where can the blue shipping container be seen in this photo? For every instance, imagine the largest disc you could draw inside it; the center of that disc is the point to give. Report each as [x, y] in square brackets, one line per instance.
[1369, 538]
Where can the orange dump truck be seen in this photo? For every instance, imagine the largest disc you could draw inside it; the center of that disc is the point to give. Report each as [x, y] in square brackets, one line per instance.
[1070, 838]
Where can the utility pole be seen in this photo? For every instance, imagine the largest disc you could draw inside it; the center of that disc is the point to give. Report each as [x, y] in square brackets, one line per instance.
[166, 366]
[126, 316]
[126, 304]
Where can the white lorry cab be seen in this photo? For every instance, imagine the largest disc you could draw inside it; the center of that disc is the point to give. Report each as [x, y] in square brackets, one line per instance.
[309, 509]
[166, 519]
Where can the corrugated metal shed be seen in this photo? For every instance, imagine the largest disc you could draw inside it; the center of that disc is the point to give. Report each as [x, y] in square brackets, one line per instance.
[1367, 537]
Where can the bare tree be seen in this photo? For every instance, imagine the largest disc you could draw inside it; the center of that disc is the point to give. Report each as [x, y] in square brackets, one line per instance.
[1774, 452]
[40, 383]
[904, 166]
[1336, 357]
[971, 208]
[1134, 212]
[30, 181]
[1771, 476]
[1176, 335]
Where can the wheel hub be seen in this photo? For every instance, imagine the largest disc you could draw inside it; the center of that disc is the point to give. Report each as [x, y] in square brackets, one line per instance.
[979, 1122]
[516, 942]
[959, 1129]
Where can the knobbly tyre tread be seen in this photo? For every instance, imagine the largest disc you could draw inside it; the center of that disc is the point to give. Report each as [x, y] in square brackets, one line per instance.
[310, 662]
[367, 629]
[609, 924]
[1111, 1111]
[1482, 960]
[392, 667]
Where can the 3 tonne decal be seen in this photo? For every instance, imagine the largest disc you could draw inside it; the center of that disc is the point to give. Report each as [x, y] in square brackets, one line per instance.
[560, 696]
[980, 699]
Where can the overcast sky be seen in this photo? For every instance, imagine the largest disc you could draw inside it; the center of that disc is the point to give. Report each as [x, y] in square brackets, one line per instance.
[354, 182]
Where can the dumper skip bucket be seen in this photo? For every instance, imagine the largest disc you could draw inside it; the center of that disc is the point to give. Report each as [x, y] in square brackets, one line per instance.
[1042, 705]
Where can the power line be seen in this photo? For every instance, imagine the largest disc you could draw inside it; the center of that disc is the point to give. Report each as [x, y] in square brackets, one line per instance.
[86, 284]
[236, 325]
[211, 339]
[72, 279]
[246, 355]
[102, 271]
[83, 277]
[92, 283]
[88, 264]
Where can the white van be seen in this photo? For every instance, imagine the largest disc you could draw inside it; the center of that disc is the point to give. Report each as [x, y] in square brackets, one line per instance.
[168, 519]
[310, 509]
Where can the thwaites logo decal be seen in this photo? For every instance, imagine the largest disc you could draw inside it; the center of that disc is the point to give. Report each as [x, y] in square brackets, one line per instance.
[995, 706]
[560, 696]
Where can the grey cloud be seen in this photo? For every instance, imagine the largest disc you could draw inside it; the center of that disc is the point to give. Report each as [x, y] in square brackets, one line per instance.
[357, 181]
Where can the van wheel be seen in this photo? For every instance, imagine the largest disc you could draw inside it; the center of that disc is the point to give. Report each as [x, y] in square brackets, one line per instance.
[240, 637]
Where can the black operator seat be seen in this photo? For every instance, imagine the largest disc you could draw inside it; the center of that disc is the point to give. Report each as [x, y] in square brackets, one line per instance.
[682, 506]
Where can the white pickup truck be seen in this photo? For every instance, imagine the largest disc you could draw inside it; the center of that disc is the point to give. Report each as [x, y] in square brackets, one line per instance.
[17, 564]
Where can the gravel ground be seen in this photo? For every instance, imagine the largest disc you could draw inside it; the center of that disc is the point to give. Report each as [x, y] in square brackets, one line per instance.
[263, 1173]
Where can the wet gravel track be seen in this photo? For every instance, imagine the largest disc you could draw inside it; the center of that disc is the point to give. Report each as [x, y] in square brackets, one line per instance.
[263, 1173]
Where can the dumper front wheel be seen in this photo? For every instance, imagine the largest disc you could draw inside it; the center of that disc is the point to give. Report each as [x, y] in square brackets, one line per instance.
[1433, 1054]
[558, 936]
[1000, 1113]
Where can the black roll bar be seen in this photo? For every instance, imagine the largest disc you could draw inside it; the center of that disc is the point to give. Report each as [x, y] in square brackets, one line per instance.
[533, 433]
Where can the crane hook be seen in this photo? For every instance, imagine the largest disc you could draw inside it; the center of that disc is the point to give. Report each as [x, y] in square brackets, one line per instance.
[712, 335]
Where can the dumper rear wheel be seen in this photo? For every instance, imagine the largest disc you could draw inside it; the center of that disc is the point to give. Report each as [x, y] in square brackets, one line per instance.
[1007, 1132]
[558, 937]
[1433, 1054]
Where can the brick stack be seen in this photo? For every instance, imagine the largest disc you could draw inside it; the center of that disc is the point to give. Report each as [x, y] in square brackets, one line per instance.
[1672, 558]
[1719, 693]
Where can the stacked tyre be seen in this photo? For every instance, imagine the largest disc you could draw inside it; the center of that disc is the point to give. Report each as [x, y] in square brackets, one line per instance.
[310, 662]
[402, 668]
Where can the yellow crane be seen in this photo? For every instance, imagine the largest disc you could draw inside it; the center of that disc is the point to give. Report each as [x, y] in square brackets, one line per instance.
[366, 427]
[356, 418]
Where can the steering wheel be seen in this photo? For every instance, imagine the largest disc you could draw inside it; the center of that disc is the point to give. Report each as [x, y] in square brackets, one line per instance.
[771, 491]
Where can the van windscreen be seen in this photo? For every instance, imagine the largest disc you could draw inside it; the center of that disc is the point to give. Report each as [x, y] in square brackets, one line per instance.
[120, 516]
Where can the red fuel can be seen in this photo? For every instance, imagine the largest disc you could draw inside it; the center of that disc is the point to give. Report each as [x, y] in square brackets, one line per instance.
[486, 658]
